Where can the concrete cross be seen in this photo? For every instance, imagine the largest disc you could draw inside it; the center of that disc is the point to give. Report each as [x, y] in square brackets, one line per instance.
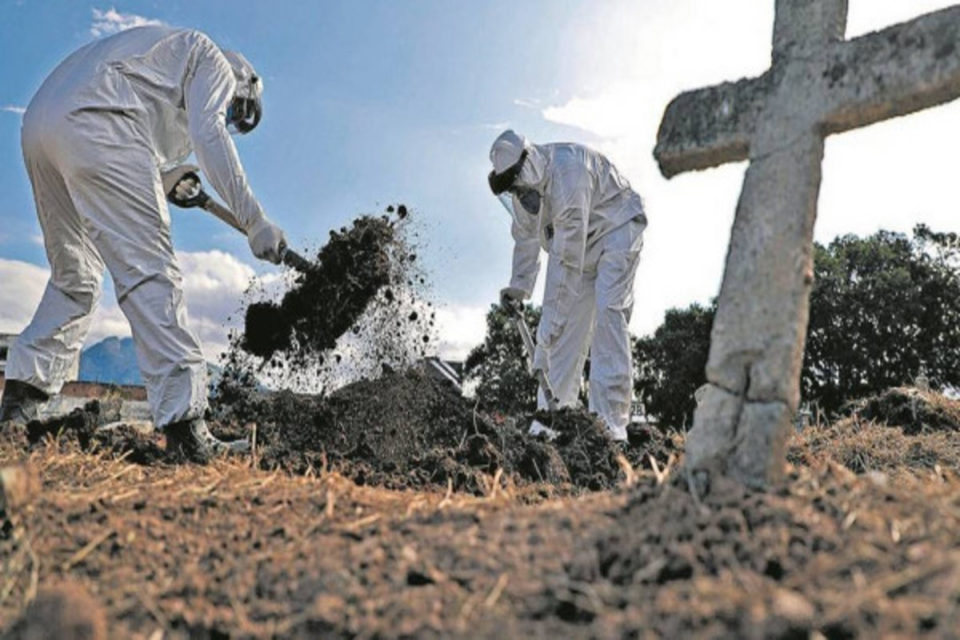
[818, 84]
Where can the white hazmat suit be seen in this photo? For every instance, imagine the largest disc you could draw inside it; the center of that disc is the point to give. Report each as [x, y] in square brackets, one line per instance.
[95, 137]
[591, 223]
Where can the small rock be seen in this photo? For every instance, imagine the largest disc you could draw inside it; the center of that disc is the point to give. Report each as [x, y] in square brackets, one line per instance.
[19, 484]
[793, 607]
[65, 612]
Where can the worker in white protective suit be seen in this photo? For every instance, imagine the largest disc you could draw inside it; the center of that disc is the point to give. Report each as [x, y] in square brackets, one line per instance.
[95, 139]
[571, 201]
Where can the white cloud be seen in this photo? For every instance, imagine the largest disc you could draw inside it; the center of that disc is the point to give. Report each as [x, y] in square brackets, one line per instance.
[214, 283]
[20, 291]
[12, 108]
[527, 103]
[214, 287]
[112, 21]
[460, 328]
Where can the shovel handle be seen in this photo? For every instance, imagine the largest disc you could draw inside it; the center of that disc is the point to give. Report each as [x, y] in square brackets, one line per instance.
[199, 198]
[529, 346]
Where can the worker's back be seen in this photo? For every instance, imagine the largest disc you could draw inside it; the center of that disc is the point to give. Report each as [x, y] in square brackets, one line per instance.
[140, 72]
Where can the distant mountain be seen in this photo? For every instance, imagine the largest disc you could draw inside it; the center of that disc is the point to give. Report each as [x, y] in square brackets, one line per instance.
[114, 361]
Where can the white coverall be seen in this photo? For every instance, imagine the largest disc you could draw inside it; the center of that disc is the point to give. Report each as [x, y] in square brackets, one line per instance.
[591, 224]
[94, 138]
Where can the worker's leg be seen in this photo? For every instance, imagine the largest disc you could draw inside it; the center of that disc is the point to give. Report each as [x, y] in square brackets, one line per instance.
[115, 185]
[46, 353]
[564, 340]
[611, 365]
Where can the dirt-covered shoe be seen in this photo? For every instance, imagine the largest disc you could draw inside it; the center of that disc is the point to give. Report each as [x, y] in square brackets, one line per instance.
[192, 440]
[21, 402]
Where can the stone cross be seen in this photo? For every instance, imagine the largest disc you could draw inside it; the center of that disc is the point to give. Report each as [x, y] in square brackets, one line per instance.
[818, 84]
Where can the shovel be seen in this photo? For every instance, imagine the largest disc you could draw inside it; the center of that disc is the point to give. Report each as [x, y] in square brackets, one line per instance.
[530, 346]
[187, 176]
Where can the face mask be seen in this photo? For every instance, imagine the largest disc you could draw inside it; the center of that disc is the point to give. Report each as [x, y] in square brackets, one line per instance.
[500, 182]
[243, 115]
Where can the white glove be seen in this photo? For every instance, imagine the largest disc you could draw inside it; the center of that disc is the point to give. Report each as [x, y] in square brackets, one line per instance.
[185, 189]
[266, 240]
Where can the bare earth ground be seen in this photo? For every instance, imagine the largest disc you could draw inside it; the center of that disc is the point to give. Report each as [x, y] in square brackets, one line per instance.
[862, 541]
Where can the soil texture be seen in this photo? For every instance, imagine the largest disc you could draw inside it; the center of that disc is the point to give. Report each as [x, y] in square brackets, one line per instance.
[232, 551]
[362, 305]
[410, 430]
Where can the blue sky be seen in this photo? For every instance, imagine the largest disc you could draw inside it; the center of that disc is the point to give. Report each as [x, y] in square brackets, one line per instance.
[369, 103]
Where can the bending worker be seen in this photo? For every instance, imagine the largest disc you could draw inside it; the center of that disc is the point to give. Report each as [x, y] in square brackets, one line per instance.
[569, 200]
[95, 138]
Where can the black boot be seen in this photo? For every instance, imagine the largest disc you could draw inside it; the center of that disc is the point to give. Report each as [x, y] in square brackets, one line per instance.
[21, 402]
[191, 440]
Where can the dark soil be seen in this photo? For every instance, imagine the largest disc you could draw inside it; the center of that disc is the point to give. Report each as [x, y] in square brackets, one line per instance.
[405, 430]
[409, 430]
[364, 305]
[326, 301]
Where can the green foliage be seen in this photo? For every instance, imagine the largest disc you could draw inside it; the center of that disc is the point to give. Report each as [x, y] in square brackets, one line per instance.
[670, 364]
[883, 309]
[499, 365]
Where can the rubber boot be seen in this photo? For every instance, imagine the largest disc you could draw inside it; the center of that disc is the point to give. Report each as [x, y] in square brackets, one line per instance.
[21, 402]
[191, 440]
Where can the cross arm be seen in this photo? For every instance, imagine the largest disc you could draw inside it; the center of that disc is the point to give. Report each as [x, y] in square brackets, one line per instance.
[709, 127]
[904, 68]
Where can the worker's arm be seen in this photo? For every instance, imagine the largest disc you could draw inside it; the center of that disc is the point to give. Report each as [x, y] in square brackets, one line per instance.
[526, 251]
[208, 94]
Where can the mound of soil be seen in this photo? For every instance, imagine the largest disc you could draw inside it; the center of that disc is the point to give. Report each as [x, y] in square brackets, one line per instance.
[747, 564]
[864, 447]
[911, 409]
[409, 430]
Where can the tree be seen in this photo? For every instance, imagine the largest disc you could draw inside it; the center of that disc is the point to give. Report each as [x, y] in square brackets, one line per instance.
[499, 365]
[883, 309]
[670, 364]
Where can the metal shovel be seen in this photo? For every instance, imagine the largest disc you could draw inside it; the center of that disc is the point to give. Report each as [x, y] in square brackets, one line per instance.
[530, 346]
[187, 176]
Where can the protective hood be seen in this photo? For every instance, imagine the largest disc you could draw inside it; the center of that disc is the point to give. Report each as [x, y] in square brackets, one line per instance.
[506, 151]
[517, 175]
[249, 84]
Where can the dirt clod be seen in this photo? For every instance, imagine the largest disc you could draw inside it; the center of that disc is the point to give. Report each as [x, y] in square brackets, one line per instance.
[409, 430]
[326, 301]
[65, 612]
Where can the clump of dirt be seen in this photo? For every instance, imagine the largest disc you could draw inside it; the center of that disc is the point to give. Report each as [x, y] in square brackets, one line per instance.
[326, 301]
[84, 427]
[66, 612]
[80, 424]
[913, 410]
[409, 430]
[362, 305]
